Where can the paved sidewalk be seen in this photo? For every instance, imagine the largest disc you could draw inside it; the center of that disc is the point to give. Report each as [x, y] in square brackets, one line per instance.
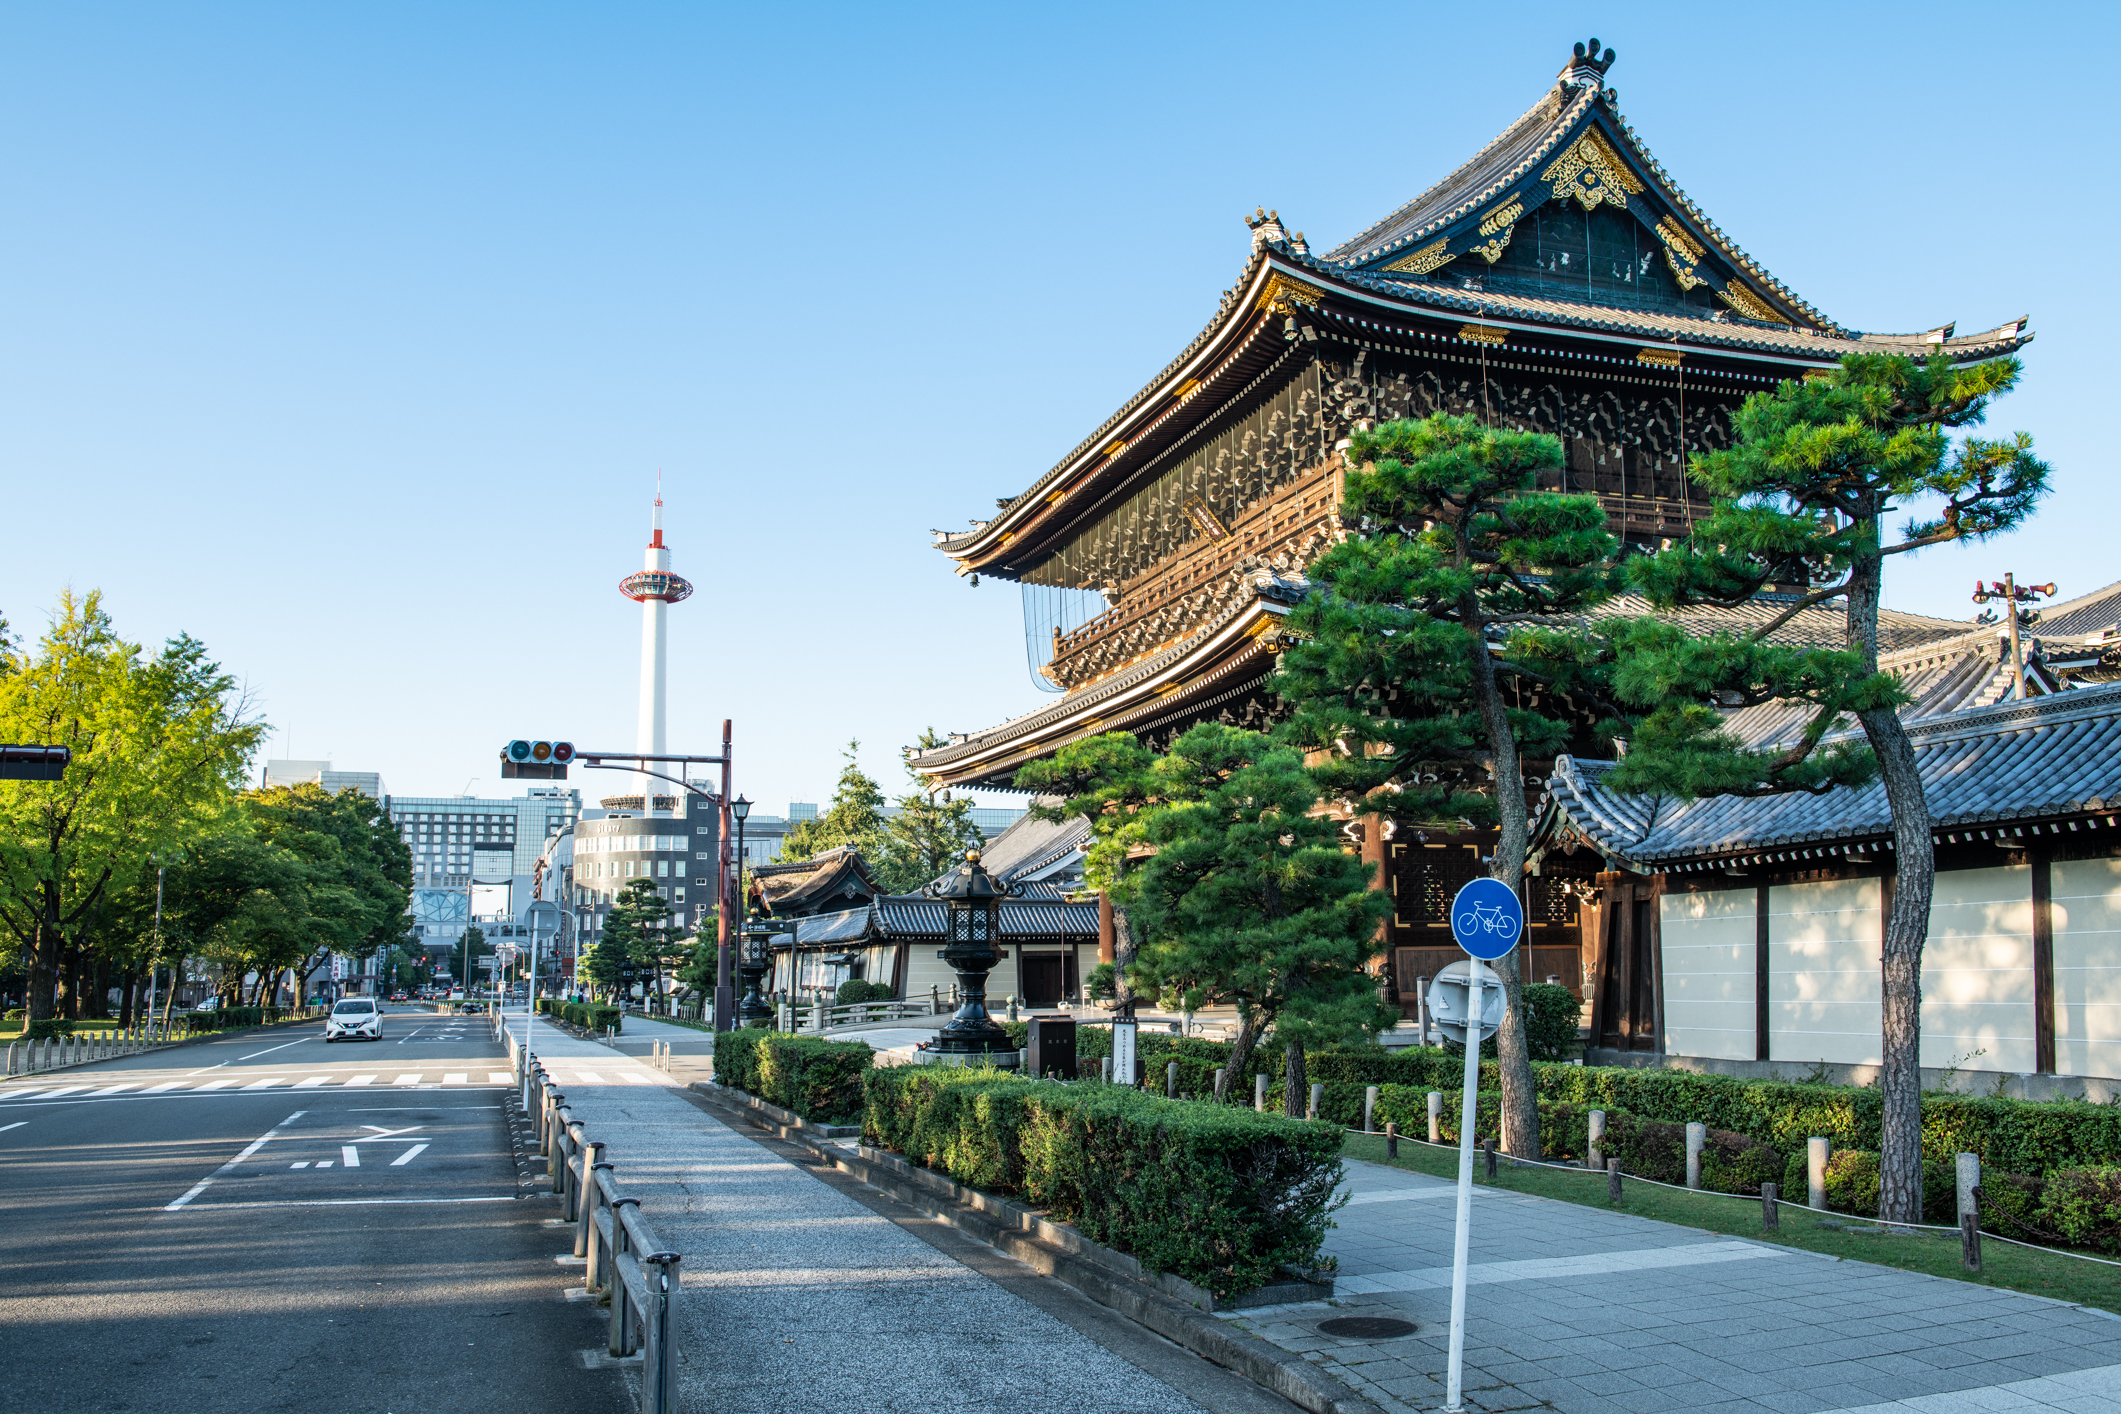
[1585, 1311]
[800, 1300]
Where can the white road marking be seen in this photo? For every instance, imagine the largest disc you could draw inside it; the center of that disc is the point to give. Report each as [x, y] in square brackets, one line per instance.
[631, 1079]
[216, 1084]
[4, 1128]
[255, 1145]
[499, 1077]
[20, 1094]
[63, 1090]
[271, 1080]
[315, 1080]
[268, 1050]
[349, 1156]
[360, 1202]
[362, 1080]
[412, 1079]
[408, 1156]
[301, 1164]
[165, 1085]
[382, 1133]
[1560, 1268]
[202, 1070]
[590, 1077]
[458, 1077]
[324, 1163]
[110, 1089]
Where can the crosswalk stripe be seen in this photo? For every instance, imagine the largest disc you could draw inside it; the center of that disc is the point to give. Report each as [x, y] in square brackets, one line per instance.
[165, 1085]
[20, 1094]
[110, 1089]
[362, 1080]
[631, 1079]
[456, 1078]
[271, 1080]
[216, 1084]
[498, 1077]
[414, 1078]
[590, 1077]
[316, 1080]
[63, 1090]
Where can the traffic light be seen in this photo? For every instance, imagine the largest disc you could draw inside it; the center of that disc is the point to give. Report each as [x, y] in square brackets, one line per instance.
[536, 760]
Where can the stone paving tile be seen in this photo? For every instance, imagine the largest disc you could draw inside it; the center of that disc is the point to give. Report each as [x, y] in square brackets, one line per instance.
[1787, 1333]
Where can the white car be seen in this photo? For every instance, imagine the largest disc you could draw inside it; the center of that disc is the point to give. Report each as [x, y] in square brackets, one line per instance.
[355, 1019]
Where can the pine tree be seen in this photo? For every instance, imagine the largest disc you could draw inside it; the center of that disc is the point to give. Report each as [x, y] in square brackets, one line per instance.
[1406, 678]
[1801, 499]
[1248, 898]
[855, 817]
[633, 932]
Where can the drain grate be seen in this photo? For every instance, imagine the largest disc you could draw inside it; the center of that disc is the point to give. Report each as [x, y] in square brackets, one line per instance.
[1366, 1328]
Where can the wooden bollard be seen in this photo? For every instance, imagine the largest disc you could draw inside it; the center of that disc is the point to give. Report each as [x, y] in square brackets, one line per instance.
[1391, 1140]
[1612, 1181]
[1970, 1241]
[1770, 1216]
[1488, 1147]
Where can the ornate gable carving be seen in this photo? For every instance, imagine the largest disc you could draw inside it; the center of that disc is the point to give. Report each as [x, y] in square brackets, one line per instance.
[1591, 171]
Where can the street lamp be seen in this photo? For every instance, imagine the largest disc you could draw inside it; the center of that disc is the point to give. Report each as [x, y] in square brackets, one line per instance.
[972, 902]
[740, 811]
[751, 967]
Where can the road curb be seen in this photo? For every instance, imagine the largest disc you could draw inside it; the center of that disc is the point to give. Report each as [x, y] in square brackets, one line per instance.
[1286, 1374]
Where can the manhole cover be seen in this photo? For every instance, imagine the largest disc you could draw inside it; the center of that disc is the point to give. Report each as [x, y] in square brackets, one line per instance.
[1366, 1328]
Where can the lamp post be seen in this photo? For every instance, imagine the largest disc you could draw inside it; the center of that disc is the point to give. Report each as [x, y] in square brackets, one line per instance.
[751, 968]
[2013, 594]
[972, 902]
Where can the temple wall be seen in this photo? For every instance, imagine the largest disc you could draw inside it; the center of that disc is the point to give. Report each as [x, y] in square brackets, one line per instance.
[2087, 913]
[924, 970]
[1977, 971]
[1823, 942]
[1709, 943]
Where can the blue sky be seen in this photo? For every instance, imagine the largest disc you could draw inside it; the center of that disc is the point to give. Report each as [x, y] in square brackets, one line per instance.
[349, 338]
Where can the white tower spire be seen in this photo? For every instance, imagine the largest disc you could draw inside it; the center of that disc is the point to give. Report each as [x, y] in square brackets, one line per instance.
[656, 589]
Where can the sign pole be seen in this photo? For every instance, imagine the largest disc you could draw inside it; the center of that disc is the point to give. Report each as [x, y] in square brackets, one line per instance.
[1487, 919]
[1461, 1242]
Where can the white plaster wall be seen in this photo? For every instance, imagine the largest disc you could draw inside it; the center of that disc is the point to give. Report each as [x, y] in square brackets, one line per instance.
[2087, 911]
[1823, 972]
[1977, 970]
[924, 970]
[1709, 942]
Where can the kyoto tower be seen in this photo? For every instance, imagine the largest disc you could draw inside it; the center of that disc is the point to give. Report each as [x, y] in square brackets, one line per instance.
[655, 588]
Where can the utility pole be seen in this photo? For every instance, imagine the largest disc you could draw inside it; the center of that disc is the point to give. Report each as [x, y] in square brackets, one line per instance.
[724, 962]
[2013, 596]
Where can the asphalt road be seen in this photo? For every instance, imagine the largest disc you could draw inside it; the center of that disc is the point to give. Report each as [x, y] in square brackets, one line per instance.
[269, 1222]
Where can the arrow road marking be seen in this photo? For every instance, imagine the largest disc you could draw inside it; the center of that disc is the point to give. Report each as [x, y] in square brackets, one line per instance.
[255, 1145]
[408, 1156]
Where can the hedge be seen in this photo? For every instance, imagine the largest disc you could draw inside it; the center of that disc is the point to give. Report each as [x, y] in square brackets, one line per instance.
[590, 1016]
[1218, 1195]
[817, 1079]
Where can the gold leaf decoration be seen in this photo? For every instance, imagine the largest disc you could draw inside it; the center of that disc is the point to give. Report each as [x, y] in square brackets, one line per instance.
[1502, 220]
[1483, 334]
[1681, 251]
[1281, 289]
[1659, 358]
[1748, 304]
[1591, 171]
[1421, 262]
[1491, 251]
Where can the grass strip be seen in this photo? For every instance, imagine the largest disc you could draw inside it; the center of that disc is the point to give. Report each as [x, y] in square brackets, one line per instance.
[1936, 1254]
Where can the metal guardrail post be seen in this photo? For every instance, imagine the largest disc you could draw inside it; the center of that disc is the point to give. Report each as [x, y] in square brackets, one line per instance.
[585, 1205]
[659, 1367]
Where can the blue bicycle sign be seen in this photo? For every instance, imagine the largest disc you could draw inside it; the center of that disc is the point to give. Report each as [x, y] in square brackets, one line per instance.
[1486, 918]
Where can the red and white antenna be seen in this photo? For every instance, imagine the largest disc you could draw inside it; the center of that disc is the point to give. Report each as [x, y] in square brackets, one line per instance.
[655, 541]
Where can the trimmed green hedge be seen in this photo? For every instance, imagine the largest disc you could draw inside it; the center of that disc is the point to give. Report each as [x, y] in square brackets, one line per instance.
[817, 1079]
[590, 1016]
[1220, 1196]
[229, 1017]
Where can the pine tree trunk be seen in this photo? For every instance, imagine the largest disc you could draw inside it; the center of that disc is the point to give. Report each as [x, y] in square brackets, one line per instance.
[1513, 1050]
[1123, 949]
[1295, 1088]
[1906, 925]
[1249, 1025]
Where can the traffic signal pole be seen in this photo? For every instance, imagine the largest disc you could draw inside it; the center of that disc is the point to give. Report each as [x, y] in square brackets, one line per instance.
[724, 963]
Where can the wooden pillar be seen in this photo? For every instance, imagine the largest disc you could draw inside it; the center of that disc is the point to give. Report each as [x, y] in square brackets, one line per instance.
[1373, 852]
[2043, 963]
[1106, 950]
[1760, 972]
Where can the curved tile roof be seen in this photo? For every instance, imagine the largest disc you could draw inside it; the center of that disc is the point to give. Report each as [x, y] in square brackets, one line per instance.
[1982, 768]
